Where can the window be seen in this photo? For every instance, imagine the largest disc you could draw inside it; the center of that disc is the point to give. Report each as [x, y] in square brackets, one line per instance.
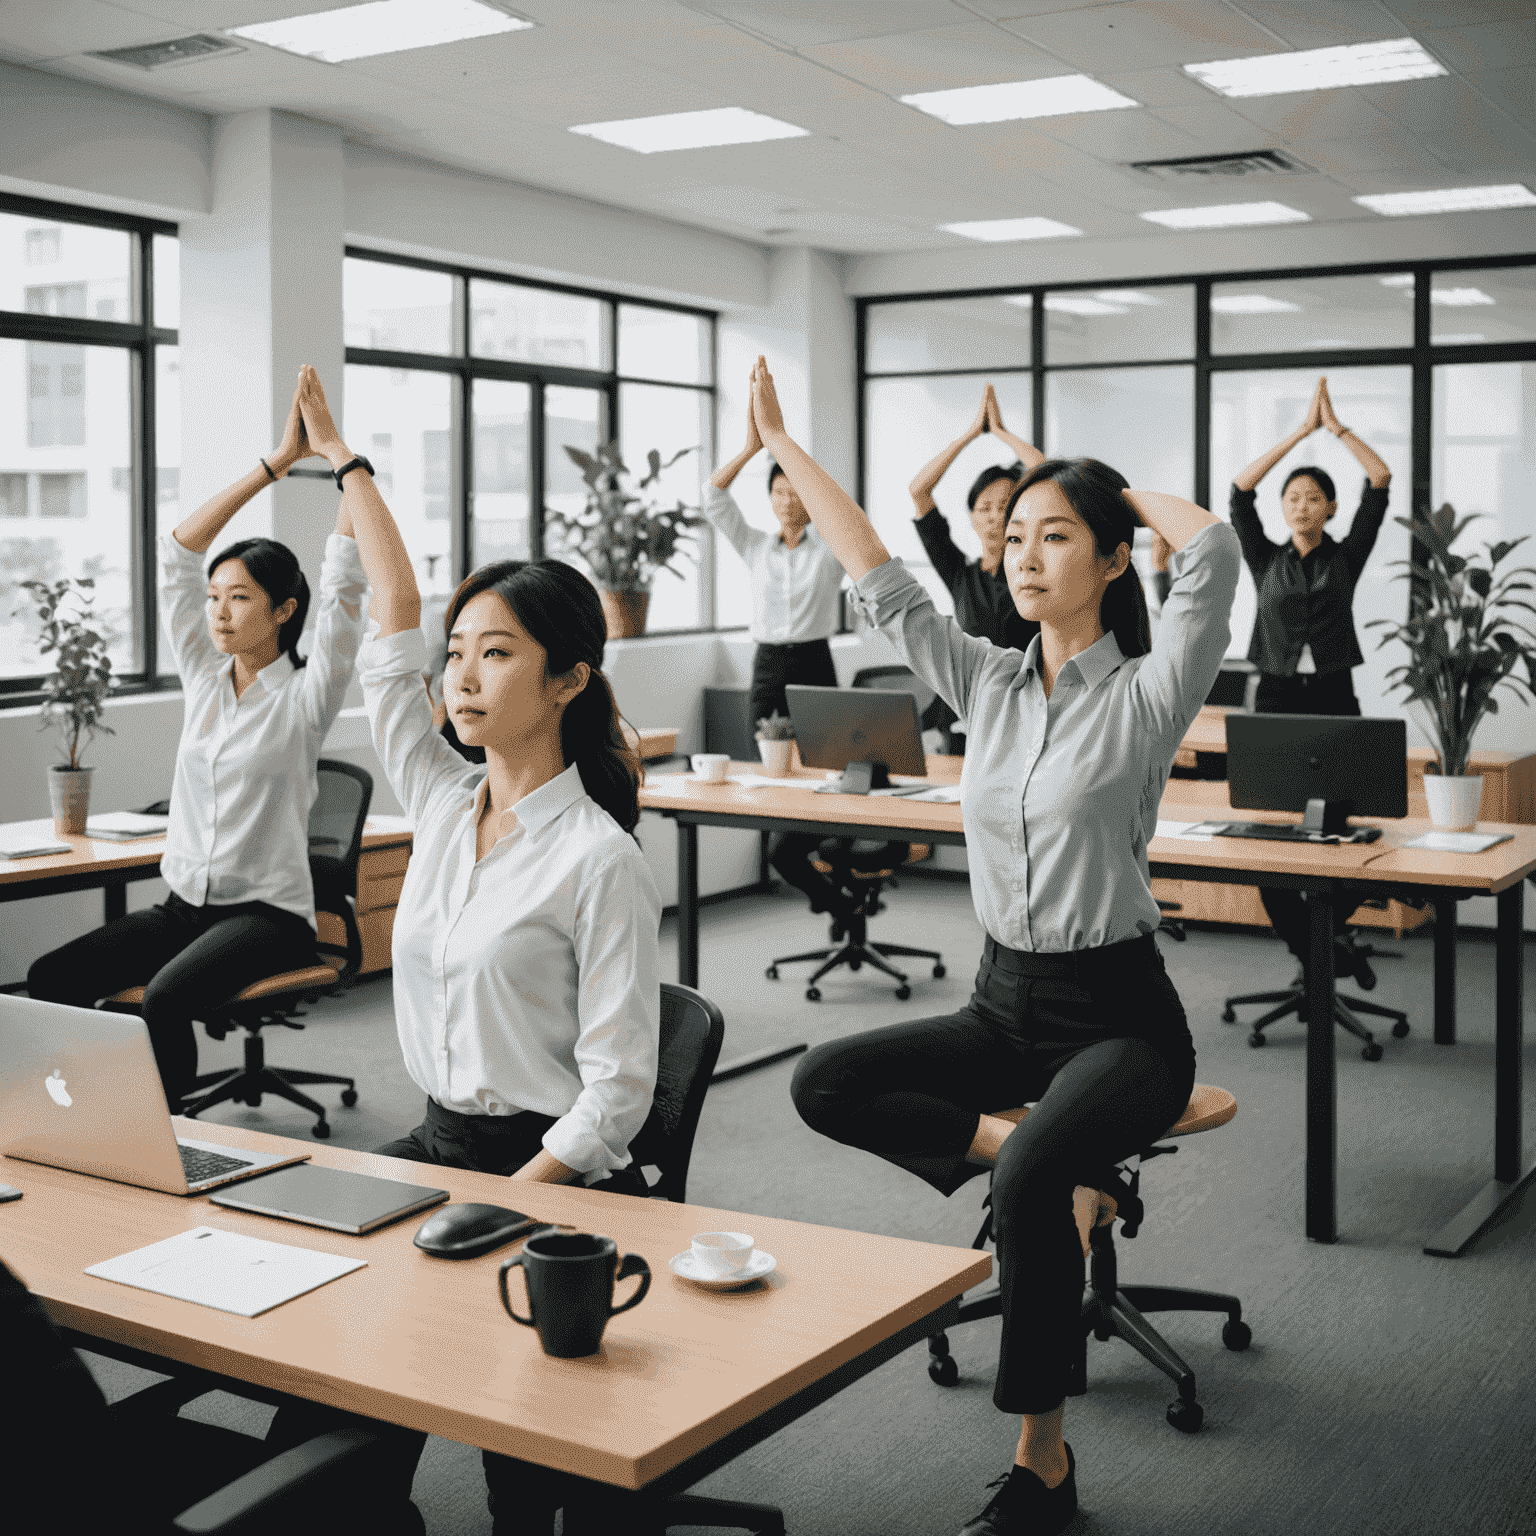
[945, 335]
[1119, 325]
[1140, 420]
[1484, 434]
[1468, 308]
[1313, 314]
[470, 387]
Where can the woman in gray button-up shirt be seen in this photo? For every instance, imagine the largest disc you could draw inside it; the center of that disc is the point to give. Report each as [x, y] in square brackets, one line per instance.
[1070, 746]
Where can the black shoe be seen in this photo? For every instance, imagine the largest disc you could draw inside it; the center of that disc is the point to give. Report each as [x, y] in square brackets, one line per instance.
[1024, 1506]
[1349, 961]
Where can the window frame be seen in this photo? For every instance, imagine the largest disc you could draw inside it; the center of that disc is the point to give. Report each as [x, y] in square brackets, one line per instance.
[139, 338]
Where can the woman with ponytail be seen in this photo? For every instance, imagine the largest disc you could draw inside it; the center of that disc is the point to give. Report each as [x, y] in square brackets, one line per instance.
[1070, 744]
[241, 905]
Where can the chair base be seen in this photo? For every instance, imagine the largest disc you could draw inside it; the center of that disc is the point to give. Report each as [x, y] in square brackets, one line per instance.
[860, 950]
[247, 1084]
[1293, 1000]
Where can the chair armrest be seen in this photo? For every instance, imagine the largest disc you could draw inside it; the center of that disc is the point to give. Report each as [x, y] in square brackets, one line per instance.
[253, 1502]
[164, 1399]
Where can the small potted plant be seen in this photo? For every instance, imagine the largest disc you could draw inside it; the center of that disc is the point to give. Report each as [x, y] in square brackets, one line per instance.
[776, 744]
[74, 694]
[623, 536]
[1465, 638]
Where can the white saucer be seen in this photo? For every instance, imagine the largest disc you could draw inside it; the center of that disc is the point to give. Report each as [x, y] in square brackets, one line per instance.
[760, 1264]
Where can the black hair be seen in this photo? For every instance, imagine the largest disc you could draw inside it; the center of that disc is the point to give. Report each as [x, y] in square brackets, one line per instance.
[560, 610]
[775, 469]
[275, 569]
[1320, 477]
[1094, 490]
[989, 476]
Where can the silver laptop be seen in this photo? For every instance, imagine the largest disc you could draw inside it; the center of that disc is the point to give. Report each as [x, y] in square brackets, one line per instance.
[80, 1090]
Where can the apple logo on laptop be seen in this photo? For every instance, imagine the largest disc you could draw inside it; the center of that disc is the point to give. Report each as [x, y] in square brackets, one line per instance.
[58, 1090]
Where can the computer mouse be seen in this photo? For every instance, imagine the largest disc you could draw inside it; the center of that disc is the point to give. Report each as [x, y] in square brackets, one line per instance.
[467, 1231]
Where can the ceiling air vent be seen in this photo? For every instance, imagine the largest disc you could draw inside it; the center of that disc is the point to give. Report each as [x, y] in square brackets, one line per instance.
[1257, 162]
[180, 50]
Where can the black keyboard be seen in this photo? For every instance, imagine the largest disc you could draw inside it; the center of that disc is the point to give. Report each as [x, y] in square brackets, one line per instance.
[199, 1165]
[1288, 833]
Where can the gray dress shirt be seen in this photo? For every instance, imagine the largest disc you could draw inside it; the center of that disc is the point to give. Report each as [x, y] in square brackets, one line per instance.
[1060, 794]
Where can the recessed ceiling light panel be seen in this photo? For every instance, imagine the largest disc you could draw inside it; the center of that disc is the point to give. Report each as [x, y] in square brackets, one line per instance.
[1011, 229]
[1398, 280]
[1226, 216]
[690, 130]
[1252, 304]
[1397, 205]
[1081, 304]
[1318, 69]
[1459, 298]
[382, 26]
[1459, 339]
[1018, 99]
[1130, 296]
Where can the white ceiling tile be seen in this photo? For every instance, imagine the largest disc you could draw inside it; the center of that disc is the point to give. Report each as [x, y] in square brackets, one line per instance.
[1497, 45]
[1008, 10]
[1384, 161]
[1448, 108]
[598, 97]
[1321, 23]
[1484, 155]
[1119, 136]
[1215, 127]
[943, 59]
[1512, 89]
[1144, 34]
[58, 28]
[1165, 87]
[1302, 116]
[804, 23]
[1420, 14]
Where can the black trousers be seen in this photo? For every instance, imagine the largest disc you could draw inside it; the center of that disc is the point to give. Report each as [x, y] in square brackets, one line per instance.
[1317, 693]
[1099, 1039]
[186, 958]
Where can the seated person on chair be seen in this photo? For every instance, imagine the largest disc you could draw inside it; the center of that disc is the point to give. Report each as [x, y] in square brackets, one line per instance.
[525, 945]
[1304, 642]
[256, 714]
[795, 581]
[1073, 1010]
[978, 587]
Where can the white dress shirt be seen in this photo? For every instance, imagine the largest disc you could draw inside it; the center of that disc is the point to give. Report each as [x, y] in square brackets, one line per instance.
[794, 591]
[528, 979]
[245, 769]
[1059, 795]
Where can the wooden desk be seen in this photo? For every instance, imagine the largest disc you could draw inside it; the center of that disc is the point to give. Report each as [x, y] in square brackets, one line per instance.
[1332, 875]
[682, 1384]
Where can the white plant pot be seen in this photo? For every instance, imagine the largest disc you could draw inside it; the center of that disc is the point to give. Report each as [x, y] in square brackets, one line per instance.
[775, 755]
[69, 792]
[1454, 801]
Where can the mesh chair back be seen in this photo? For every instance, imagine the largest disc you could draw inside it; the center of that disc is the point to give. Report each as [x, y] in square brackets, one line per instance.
[335, 842]
[900, 680]
[692, 1030]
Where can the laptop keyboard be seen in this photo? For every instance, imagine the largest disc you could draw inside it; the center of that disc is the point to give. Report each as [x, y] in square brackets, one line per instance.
[199, 1165]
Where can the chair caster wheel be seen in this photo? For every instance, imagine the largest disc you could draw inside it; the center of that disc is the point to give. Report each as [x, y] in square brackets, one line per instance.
[1256, 1040]
[903, 993]
[1186, 1417]
[1372, 1052]
[1400, 1030]
[813, 994]
[938, 973]
[854, 965]
[349, 1097]
[1236, 1334]
[320, 1131]
[1228, 1017]
[943, 1372]
[772, 973]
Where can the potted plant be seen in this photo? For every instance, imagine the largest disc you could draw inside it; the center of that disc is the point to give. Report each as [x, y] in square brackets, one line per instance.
[776, 743]
[622, 535]
[1465, 638]
[74, 694]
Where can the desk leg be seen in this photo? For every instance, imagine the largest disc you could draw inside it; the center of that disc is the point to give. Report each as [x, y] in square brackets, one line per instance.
[1445, 973]
[114, 902]
[1322, 1076]
[688, 903]
[1509, 1177]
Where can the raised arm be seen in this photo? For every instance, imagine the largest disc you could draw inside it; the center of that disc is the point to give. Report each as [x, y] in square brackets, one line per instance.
[396, 599]
[1171, 518]
[838, 517]
[927, 478]
[1249, 478]
[1368, 459]
[1028, 454]
[338, 625]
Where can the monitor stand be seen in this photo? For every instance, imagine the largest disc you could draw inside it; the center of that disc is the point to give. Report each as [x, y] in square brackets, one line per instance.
[1327, 816]
[858, 779]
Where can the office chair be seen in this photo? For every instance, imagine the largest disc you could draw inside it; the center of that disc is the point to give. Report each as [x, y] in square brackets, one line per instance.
[863, 869]
[1111, 1310]
[335, 841]
[138, 1466]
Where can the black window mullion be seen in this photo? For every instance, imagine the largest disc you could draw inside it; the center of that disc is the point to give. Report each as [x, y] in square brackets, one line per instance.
[1037, 369]
[536, 472]
[1420, 435]
[462, 549]
[1203, 393]
[143, 578]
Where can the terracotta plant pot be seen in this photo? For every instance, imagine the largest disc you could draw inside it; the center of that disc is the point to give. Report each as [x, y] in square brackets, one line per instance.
[625, 612]
[69, 790]
[1454, 801]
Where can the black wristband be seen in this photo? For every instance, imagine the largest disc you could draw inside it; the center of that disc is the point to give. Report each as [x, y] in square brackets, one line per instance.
[359, 462]
[271, 475]
[1343, 432]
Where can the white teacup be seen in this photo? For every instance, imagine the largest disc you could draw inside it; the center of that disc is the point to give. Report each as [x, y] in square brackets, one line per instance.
[711, 766]
[721, 1254]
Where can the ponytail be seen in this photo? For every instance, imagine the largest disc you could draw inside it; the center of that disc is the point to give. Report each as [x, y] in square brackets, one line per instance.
[275, 569]
[591, 737]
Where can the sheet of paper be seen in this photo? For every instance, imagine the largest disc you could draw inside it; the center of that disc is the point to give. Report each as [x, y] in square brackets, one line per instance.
[127, 823]
[15, 846]
[1186, 831]
[1459, 842]
[761, 781]
[225, 1270]
[389, 824]
[940, 794]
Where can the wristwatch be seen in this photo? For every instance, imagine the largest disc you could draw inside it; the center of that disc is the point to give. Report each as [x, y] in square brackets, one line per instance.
[359, 462]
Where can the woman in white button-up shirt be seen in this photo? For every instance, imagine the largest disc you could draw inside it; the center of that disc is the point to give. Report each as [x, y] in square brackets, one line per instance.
[1070, 745]
[255, 715]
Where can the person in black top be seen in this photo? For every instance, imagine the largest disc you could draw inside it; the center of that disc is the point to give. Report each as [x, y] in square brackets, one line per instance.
[1304, 641]
[983, 605]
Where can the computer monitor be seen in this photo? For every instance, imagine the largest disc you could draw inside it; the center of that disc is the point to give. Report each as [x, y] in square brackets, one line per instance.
[1330, 766]
[868, 733]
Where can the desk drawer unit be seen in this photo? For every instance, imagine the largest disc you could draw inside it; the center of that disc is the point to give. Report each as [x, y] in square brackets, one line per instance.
[380, 874]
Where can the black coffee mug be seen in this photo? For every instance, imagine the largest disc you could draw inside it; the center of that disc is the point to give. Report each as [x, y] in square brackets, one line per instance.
[570, 1278]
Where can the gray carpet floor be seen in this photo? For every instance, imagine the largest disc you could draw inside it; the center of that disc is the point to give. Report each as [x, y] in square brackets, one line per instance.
[1385, 1394]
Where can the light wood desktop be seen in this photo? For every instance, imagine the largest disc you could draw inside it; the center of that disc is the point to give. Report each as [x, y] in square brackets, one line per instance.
[683, 1382]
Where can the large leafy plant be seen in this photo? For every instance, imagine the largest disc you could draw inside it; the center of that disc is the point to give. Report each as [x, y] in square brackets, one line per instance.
[74, 694]
[623, 535]
[1465, 632]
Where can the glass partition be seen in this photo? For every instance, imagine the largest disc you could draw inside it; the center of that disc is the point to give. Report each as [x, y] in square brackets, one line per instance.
[1119, 325]
[1140, 420]
[1312, 314]
[397, 309]
[664, 344]
[499, 527]
[1494, 304]
[538, 325]
[990, 332]
[1484, 450]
